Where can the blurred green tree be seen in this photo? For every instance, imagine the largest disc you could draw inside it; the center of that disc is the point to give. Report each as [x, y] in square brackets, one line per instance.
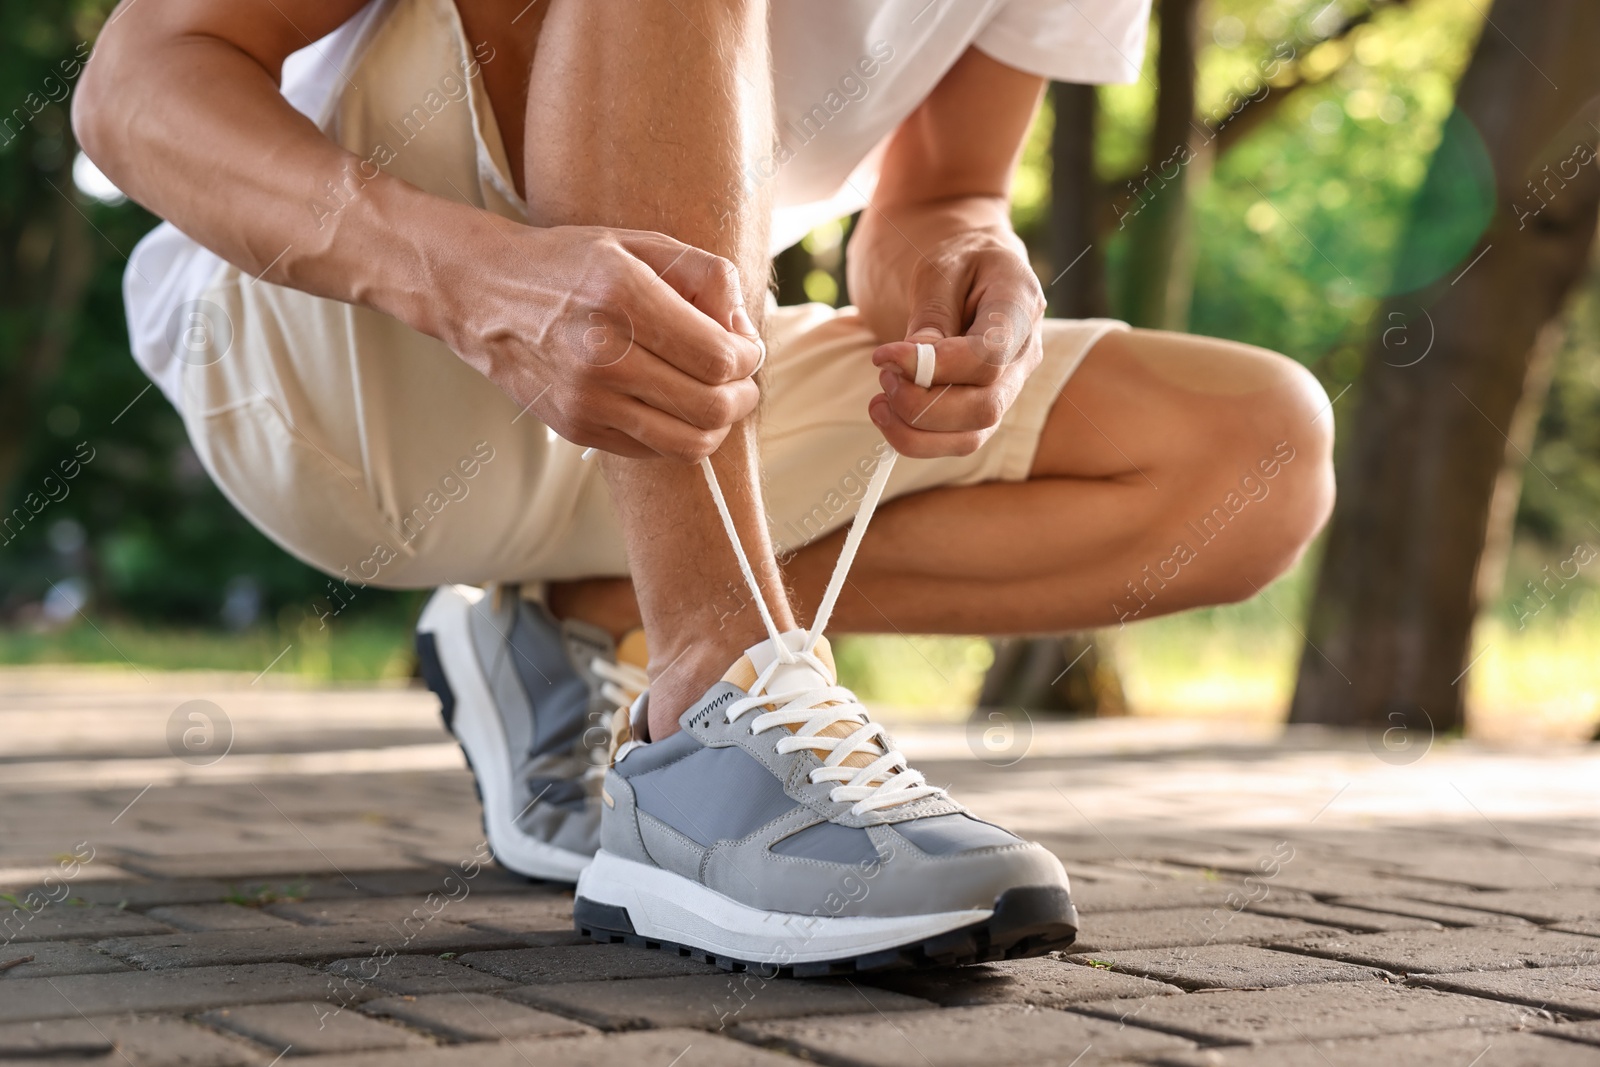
[1453, 382]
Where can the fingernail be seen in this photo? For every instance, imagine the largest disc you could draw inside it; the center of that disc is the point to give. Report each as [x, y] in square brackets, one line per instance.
[742, 323]
[928, 335]
[879, 413]
[887, 380]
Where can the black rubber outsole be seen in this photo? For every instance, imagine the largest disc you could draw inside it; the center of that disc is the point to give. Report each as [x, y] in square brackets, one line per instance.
[1027, 921]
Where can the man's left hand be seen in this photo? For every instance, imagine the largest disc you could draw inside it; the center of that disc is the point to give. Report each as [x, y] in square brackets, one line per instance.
[976, 300]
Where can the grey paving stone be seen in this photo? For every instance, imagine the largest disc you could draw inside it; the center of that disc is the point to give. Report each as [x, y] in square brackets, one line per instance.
[1499, 868]
[1446, 914]
[639, 1048]
[300, 943]
[532, 911]
[258, 863]
[1569, 990]
[1369, 922]
[993, 1036]
[415, 975]
[1186, 926]
[143, 991]
[1326, 1011]
[1591, 927]
[473, 1017]
[1586, 1032]
[1453, 1048]
[1047, 982]
[139, 895]
[59, 922]
[1323, 878]
[124, 1040]
[1231, 967]
[52, 958]
[225, 916]
[434, 878]
[1545, 905]
[306, 1028]
[582, 963]
[1437, 952]
[1140, 895]
[710, 1002]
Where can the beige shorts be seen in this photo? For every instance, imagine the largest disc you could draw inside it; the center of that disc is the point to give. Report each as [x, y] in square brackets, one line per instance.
[373, 453]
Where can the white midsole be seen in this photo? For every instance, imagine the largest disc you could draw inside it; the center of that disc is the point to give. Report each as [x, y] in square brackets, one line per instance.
[477, 726]
[669, 907]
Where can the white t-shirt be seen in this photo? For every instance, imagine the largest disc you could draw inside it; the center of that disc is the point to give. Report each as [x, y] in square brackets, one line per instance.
[846, 74]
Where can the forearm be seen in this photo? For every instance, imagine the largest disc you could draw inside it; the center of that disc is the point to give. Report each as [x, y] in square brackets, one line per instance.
[892, 239]
[196, 130]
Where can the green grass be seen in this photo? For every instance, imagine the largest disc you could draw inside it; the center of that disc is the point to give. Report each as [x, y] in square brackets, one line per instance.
[1236, 662]
[351, 651]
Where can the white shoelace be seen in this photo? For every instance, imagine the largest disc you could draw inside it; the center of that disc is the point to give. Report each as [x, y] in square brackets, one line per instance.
[816, 708]
[620, 683]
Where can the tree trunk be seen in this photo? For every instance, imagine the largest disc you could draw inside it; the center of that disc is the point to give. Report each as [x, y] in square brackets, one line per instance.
[1077, 289]
[1159, 268]
[1071, 675]
[1391, 622]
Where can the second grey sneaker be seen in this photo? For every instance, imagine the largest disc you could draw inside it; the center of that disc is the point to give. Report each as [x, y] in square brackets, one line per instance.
[529, 698]
[780, 829]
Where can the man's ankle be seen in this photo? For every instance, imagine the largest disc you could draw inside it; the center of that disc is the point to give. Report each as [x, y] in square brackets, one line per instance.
[683, 679]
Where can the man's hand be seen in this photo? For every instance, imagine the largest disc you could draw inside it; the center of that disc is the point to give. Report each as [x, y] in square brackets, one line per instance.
[934, 260]
[976, 300]
[624, 340]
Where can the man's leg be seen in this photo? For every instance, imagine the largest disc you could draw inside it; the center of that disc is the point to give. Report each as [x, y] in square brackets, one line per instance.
[644, 116]
[1145, 449]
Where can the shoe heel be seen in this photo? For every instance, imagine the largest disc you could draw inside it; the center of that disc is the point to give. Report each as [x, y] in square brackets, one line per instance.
[433, 674]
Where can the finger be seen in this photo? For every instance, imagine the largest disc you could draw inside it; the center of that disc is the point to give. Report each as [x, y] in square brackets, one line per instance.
[936, 304]
[708, 281]
[956, 361]
[604, 439]
[664, 387]
[668, 436]
[946, 408]
[664, 322]
[1006, 322]
[922, 444]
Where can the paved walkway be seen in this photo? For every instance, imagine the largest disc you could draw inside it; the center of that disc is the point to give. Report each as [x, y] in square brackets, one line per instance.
[202, 870]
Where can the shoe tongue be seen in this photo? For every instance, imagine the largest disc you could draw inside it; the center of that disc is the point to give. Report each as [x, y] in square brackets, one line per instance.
[632, 649]
[759, 657]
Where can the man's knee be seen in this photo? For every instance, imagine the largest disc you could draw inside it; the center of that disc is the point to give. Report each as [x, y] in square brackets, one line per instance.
[1275, 468]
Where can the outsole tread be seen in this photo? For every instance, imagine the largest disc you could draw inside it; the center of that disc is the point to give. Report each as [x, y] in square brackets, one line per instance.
[1023, 926]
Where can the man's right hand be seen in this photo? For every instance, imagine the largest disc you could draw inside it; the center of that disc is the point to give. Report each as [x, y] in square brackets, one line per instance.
[623, 340]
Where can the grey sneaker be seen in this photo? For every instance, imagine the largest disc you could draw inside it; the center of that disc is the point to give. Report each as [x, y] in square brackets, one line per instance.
[779, 829]
[529, 699]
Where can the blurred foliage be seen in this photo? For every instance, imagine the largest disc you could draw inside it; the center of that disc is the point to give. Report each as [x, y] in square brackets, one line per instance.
[1296, 227]
[140, 532]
